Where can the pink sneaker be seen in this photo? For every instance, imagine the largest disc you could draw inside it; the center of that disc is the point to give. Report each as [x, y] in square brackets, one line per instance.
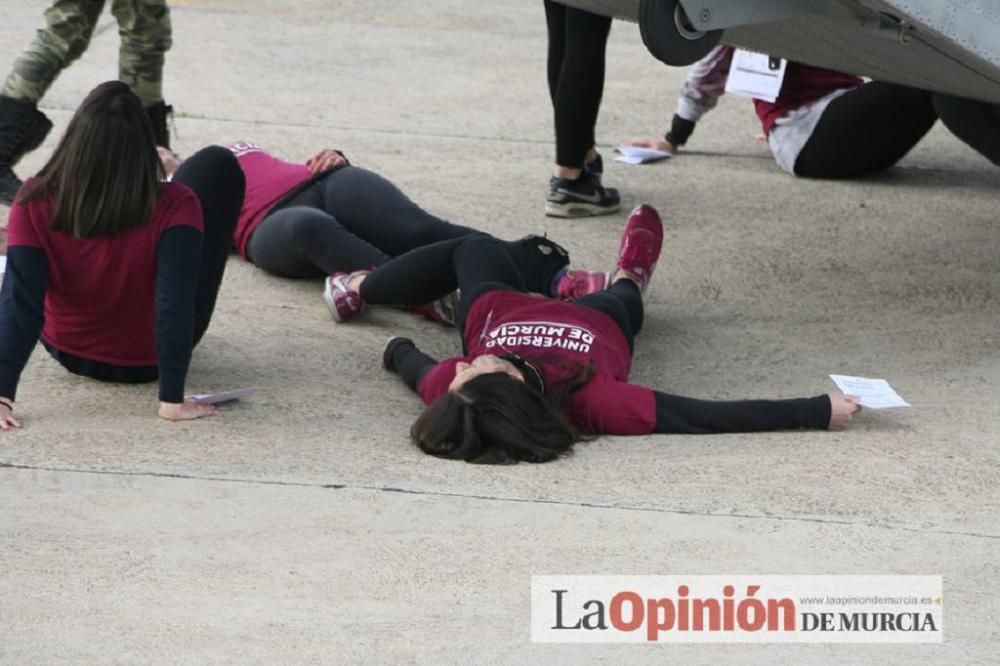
[443, 311]
[641, 245]
[344, 304]
[576, 283]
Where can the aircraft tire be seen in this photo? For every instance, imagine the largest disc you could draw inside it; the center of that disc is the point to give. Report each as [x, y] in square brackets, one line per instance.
[670, 36]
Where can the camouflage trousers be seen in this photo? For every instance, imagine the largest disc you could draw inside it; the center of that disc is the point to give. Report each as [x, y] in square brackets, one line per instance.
[144, 29]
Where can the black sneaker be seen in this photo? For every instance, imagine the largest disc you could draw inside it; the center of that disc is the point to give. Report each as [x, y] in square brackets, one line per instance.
[159, 114]
[22, 129]
[595, 167]
[583, 197]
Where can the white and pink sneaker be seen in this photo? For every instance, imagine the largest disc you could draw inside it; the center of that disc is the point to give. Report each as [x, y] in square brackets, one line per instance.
[576, 283]
[343, 302]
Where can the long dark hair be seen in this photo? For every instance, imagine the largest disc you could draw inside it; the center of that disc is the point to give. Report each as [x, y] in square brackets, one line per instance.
[496, 419]
[104, 175]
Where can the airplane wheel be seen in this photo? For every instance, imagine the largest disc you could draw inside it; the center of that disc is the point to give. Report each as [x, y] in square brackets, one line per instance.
[671, 36]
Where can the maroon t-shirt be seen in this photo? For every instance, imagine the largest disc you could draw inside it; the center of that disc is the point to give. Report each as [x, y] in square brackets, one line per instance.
[268, 180]
[802, 85]
[557, 338]
[100, 300]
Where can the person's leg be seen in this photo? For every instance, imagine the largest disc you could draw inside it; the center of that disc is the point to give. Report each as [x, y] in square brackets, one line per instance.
[975, 123]
[638, 254]
[866, 130]
[214, 175]
[539, 261]
[146, 36]
[555, 21]
[304, 242]
[69, 25]
[378, 213]
[375, 210]
[622, 301]
[430, 272]
[575, 189]
[581, 85]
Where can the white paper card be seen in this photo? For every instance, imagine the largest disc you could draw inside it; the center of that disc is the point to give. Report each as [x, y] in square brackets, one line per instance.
[637, 155]
[756, 75]
[3, 264]
[223, 396]
[874, 393]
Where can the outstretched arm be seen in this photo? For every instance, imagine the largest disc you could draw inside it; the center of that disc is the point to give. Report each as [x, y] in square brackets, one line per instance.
[609, 407]
[402, 357]
[705, 84]
[677, 414]
[22, 315]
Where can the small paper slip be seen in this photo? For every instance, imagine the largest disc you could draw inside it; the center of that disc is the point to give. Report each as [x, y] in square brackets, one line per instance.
[874, 393]
[223, 396]
[756, 75]
[636, 155]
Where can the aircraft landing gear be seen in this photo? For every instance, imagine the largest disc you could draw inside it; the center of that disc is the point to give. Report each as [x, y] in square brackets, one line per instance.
[670, 34]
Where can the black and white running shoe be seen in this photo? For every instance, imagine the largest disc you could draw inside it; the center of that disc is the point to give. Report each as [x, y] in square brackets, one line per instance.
[582, 197]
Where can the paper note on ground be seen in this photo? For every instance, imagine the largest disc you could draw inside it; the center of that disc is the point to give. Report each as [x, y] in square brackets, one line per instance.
[874, 393]
[636, 155]
[223, 396]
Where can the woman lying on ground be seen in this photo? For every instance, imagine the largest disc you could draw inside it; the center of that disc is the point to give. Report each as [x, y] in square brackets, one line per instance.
[825, 124]
[116, 271]
[537, 372]
[327, 218]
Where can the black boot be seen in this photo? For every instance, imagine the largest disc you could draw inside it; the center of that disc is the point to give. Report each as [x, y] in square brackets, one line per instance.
[158, 117]
[22, 129]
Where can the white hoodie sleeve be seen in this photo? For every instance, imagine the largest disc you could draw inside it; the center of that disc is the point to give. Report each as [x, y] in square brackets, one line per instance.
[705, 84]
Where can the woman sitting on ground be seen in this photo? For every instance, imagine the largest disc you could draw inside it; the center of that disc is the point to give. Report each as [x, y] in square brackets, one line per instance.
[116, 271]
[825, 124]
[537, 372]
[328, 218]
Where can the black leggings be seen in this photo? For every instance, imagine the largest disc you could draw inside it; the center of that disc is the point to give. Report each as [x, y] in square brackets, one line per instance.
[214, 175]
[577, 42]
[872, 127]
[478, 265]
[350, 219]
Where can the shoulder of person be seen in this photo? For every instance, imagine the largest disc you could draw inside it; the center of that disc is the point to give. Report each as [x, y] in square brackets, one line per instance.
[35, 203]
[177, 204]
[35, 214]
[176, 195]
[435, 381]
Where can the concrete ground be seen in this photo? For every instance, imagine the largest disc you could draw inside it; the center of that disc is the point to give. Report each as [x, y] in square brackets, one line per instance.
[300, 526]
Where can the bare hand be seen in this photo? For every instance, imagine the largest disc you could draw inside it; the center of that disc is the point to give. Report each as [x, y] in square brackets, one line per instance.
[185, 411]
[325, 160]
[170, 159]
[653, 143]
[842, 409]
[7, 420]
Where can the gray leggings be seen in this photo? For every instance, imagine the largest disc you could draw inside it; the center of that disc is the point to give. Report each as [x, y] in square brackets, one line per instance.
[348, 220]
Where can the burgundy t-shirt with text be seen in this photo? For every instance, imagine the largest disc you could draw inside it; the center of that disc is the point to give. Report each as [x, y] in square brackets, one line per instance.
[557, 338]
